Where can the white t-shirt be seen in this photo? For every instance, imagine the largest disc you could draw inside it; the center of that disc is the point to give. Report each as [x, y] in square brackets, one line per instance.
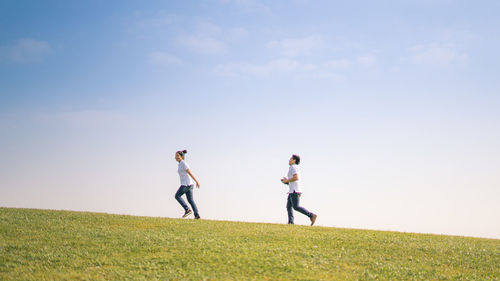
[182, 170]
[294, 186]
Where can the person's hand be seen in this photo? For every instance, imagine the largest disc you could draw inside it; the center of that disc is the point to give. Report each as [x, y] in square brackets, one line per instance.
[284, 180]
[197, 184]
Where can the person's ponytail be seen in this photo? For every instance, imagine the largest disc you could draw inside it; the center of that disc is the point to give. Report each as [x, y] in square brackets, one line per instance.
[181, 153]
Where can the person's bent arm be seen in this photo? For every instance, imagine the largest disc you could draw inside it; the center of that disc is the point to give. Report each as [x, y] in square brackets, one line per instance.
[292, 179]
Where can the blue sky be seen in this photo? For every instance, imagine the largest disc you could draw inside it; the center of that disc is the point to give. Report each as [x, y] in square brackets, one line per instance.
[392, 106]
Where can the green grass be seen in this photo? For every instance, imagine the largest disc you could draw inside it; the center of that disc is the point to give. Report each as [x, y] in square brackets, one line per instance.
[62, 245]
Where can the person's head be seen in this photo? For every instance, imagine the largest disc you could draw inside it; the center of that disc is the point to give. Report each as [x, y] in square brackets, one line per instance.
[179, 155]
[295, 159]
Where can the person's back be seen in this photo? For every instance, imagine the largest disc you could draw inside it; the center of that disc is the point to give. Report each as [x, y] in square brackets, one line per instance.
[294, 186]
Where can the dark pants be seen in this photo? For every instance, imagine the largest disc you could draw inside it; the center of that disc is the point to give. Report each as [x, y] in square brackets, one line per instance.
[292, 203]
[188, 190]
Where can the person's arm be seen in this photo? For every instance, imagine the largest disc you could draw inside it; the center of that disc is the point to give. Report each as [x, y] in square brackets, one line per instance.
[191, 175]
[292, 179]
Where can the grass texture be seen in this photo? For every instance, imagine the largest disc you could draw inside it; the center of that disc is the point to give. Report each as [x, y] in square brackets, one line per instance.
[64, 245]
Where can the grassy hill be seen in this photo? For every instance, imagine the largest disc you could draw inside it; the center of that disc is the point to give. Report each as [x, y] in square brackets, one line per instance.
[62, 245]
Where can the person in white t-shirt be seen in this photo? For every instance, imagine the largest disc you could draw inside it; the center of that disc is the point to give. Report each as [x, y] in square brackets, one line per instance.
[292, 180]
[186, 185]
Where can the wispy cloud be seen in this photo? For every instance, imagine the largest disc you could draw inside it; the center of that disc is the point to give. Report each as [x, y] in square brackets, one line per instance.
[207, 28]
[158, 20]
[202, 44]
[162, 58]
[297, 47]
[197, 35]
[25, 50]
[237, 33]
[437, 54]
[271, 67]
[249, 6]
[367, 60]
[336, 69]
[339, 64]
[204, 38]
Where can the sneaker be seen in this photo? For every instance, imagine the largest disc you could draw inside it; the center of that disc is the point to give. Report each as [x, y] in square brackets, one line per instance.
[197, 218]
[313, 219]
[187, 213]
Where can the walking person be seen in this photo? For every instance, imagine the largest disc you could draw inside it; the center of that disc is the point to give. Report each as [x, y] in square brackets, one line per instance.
[294, 191]
[186, 185]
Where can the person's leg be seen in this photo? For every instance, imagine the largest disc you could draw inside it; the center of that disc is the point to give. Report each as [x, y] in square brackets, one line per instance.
[289, 209]
[189, 196]
[295, 202]
[179, 199]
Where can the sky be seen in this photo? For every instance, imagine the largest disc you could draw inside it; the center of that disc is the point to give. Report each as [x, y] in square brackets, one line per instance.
[393, 107]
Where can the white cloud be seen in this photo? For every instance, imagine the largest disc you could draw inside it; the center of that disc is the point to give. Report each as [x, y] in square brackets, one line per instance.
[333, 69]
[437, 54]
[238, 33]
[249, 6]
[196, 35]
[339, 64]
[458, 36]
[208, 28]
[192, 34]
[162, 58]
[155, 25]
[367, 60]
[160, 20]
[272, 67]
[329, 76]
[205, 38]
[297, 47]
[25, 50]
[203, 44]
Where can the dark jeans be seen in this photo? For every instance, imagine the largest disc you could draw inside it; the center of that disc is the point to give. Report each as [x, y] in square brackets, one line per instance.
[292, 203]
[188, 190]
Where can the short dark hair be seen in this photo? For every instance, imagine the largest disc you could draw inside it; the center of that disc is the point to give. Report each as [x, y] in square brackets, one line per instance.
[182, 152]
[296, 158]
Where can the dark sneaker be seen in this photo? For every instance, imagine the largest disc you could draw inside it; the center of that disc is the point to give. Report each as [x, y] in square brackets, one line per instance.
[187, 213]
[197, 218]
[313, 219]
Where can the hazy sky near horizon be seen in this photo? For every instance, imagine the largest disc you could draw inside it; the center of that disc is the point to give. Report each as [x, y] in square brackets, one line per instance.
[393, 107]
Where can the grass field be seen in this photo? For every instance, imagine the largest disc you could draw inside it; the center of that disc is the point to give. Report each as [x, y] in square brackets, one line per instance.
[62, 245]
